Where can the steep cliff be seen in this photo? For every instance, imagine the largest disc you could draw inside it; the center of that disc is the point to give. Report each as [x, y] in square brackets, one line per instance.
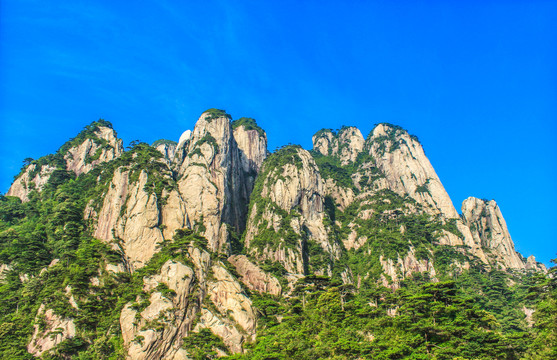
[488, 227]
[96, 144]
[345, 144]
[34, 177]
[203, 183]
[167, 148]
[407, 170]
[287, 222]
[212, 178]
[185, 296]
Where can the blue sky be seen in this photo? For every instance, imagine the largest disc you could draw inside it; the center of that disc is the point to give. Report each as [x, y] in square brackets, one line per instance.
[475, 81]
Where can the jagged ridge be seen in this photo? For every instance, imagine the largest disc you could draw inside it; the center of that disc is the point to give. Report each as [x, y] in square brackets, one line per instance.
[364, 211]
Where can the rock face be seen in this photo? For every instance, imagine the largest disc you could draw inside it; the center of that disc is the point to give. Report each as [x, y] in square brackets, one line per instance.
[253, 277]
[157, 331]
[346, 144]
[402, 160]
[56, 329]
[404, 268]
[489, 228]
[130, 216]
[252, 147]
[167, 148]
[94, 145]
[212, 180]
[252, 144]
[342, 196]
[287, 212]
[34, 177]
[173, 314]
[102, 145]
[532, 264]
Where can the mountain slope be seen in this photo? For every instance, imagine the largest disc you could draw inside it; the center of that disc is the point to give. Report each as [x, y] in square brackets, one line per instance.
[210, 246]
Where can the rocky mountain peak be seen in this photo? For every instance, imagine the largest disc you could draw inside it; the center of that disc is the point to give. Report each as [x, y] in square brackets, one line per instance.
[402, 160]
[166, 147]
[287, 213]
[96, 144]
[486, 222]
[345, 144]
[216, 175]
[252, 142]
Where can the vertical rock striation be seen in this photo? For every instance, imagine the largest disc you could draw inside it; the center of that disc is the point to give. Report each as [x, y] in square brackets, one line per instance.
[286, 222]
[34, 177]
[402, 160]
[96, 144]
[192, 302]
[344, 145]
[213, 180]
[488, 227]
[130, 217]
[100, 145]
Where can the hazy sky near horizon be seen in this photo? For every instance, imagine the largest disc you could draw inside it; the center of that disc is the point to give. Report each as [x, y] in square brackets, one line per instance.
[476, 81]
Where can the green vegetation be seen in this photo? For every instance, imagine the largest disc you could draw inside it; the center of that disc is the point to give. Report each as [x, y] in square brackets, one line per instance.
[202, 345]
[423, 188]
[206, 139]
[164, 142]
[248, 124]
[325, 319]
[330, 168]
[87, 133]
[462, 311]
[544, 292]
[215, 114]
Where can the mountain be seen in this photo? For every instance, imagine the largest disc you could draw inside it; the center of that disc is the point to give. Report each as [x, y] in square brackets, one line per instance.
[212, 246]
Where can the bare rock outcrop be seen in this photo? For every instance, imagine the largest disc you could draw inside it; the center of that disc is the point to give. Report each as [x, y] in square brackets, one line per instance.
[183, 299]
[100, 146]
[212, 182]
[252, 143]
[342, 196]
[181, 150]
[94, 145]
[291, 208]
[532, 264]
[407, 170]
[157, 331]
[253, 277]
[209, 180]
[229, 298]
[489, 229]
[346, 144]
[3, 270]
[55, 329]
[167, 148]
[34, 177]
[405, 267]
[130, 217]
[173, 214]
